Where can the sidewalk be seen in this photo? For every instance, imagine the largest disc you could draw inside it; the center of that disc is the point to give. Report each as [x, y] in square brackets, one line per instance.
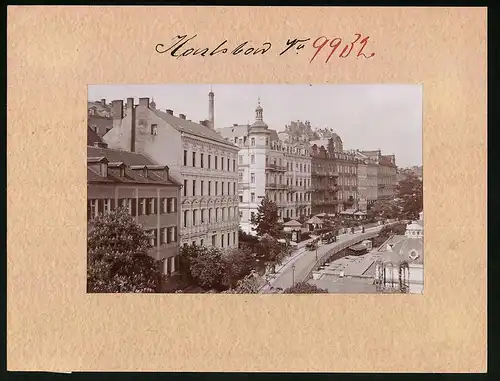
[305, 260]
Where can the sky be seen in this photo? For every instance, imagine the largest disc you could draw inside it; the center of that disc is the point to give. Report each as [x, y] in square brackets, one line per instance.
[366, 117]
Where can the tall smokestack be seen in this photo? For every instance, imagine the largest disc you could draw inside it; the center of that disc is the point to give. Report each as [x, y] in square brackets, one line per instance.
[131, 112]
[211, 108]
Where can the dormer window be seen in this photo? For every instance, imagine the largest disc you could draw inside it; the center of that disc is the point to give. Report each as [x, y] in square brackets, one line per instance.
[122, 171]
[104, 169]
[413, 255]
[154, 129]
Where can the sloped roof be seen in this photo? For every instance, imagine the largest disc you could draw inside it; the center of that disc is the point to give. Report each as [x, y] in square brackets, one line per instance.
[233, 131]
[92, 137]
[127, 157]
[192, 128]
[401, 249]
[292, 223]
[314, 220]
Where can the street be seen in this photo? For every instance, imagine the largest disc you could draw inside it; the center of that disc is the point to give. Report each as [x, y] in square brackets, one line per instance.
[304, 261]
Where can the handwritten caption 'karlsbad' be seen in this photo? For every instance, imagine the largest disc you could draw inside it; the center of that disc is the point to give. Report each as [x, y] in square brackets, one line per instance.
[336, 47]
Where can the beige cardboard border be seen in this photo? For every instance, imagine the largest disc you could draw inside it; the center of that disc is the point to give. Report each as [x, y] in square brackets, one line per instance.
[55, 52]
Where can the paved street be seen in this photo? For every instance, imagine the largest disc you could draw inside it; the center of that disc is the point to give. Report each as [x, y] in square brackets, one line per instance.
[304, 261]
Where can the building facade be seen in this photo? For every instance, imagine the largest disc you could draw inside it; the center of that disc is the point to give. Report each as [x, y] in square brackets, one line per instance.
[116, 178]
[367, 181]
[197, 156]
[386, 173]
[324, 179]
[269, 167]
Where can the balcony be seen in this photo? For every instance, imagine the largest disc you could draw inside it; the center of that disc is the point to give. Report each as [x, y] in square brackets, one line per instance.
[325, 188]
[324, 174]
[275, 168]
[276, 186]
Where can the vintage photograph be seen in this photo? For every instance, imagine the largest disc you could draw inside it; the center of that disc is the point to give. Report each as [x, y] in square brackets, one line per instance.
[246, 189]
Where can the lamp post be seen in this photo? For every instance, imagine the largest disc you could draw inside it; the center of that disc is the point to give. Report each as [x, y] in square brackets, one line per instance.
[293, 274]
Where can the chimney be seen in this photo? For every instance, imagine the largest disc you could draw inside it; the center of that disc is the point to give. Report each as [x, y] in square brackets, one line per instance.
[100, 145]
[211, 109]
[144, 102]
[235, 124]
[117, 109]
[103, 101]
[182, 116]
[203, 123]
[170, 112]
[131, 112]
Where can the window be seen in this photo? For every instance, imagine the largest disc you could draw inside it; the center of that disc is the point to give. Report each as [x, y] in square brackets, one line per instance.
[234, 165]
[201, 242]
[202, 218]
[214, 238]
[185, 218]
[195, 222]
[252, 178]
[201, 187]
[240, 159]
[209, 188]
[216, 158]
[222, 240]
[267, 141]
[185, 187]
[241, 198]
[107, 206]
[240, 176]
[163, 205]
[194, 159]
[152, 206]
[252, 141]
[194, 187]
[154, 129]
[153, 237]
[228, 164]
[252, 197]
[171, 205]
[228, 237]
[222, 163]
[185, 157]
[228, 189]
[222, 188]
[216, 188]
[241, 214]
[209, 161]
[142, 206]
[92, 210]
[201, 160]
[216, 214]
[234, 188]
[127, 203]
[234, 238]
[252, 159]
[172, 234]
[163, 236]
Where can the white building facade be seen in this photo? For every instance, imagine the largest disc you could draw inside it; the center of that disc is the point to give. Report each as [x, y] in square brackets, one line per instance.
[198, 157]
[269, 167]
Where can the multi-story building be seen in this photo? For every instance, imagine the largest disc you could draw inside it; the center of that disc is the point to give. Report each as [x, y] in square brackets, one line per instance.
[324, 177]
[99, 117]
[367, 181]
[347, 170]
[152, 196]
[270, 167]
[203, 161]
[386, 173]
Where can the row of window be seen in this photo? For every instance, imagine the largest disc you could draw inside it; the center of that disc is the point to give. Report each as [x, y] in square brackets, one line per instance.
[276, 145]
[225, 240]
[136, 207]
[225, 188]
[198, 160]
[197, 217]
[167, 235]
[277, 196]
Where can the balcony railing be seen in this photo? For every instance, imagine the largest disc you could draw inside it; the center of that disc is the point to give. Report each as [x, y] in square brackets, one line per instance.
[325, 188]
[324, 173]
[276, 186]
[275, 167]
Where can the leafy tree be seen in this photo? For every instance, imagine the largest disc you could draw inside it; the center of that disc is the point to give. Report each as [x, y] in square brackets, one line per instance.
[248, 285]
[305, 288]
[266, 219]
[117, 259]
[383, 208]
[273, 251]
[204, 265]
[237, 264]
[410, 196]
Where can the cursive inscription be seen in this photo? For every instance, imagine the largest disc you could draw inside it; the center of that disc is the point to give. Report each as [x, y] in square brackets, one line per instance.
[184, 46]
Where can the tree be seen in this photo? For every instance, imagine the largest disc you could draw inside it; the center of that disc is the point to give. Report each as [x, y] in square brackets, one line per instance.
[237, 264]
[266, 219]
[273, 251]
[117, 256]
[410, 196]
[384, 208]
[305, 288]
[204, 265]
[248, 285]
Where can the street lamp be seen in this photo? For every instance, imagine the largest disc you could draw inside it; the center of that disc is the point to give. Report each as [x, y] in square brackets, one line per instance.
[293, 274]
